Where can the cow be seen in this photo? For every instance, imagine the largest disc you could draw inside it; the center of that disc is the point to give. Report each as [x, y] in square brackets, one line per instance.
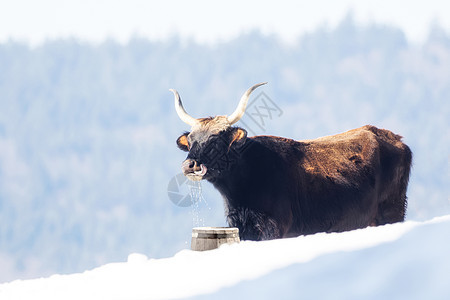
[275, 187]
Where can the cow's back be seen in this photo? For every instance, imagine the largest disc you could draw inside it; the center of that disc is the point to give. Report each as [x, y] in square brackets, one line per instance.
[341, 158]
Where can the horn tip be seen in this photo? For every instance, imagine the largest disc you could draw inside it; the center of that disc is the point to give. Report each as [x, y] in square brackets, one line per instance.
[258, 85]
[174, 91]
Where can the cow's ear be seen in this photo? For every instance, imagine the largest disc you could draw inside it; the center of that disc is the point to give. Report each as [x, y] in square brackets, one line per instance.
[182, 142]
[238, 136]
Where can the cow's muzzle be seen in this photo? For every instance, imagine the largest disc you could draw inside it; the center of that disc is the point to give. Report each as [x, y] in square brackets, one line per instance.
[193, 170]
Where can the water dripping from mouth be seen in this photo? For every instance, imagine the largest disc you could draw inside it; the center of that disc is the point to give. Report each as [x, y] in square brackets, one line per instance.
[198, 202]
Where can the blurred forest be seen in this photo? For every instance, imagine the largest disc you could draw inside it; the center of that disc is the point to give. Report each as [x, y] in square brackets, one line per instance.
[87, 132]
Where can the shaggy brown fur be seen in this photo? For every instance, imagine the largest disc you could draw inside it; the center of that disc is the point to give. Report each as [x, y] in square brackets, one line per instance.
[276, 187]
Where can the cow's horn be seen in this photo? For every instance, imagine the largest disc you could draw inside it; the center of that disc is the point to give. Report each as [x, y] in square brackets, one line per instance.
[240, 110]
[184, 116]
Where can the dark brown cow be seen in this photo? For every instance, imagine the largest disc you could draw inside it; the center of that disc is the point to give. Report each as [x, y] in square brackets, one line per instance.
[276, 187]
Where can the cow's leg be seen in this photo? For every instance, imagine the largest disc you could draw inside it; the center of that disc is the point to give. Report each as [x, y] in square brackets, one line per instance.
[392, 210]
[393, 207]
[253, 225]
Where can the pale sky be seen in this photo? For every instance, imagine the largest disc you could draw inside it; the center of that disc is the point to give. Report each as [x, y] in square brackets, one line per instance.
[35, 21]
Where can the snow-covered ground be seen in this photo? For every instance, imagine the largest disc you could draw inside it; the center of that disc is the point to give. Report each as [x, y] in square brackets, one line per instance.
[410, 260]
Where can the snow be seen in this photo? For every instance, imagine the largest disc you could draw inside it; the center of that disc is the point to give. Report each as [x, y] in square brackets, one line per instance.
[408, 260]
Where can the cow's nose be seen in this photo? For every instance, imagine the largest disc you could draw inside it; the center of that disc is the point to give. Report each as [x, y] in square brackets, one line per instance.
[190, 166]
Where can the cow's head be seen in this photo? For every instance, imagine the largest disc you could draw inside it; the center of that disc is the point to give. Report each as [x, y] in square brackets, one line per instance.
[213, 144]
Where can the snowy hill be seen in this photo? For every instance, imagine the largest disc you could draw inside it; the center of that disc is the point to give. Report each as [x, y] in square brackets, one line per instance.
[408, 260]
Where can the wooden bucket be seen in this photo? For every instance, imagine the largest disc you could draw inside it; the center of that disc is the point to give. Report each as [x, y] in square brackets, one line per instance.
[208, 238]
